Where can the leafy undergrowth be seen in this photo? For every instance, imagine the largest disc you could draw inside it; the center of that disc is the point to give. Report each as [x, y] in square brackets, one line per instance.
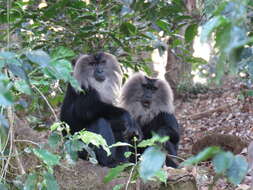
[220, 111]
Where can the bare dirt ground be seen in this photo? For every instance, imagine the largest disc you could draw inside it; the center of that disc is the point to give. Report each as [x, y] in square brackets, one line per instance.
[222, 110]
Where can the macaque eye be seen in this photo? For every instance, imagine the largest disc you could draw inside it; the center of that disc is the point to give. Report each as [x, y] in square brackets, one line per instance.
[103, 62]
[92, 63]
[144, 86]
[154, 88]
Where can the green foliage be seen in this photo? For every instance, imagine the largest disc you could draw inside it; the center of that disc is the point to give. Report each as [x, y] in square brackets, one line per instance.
[148, 166]
[51, 181]
[203, 155]
[238, 170]
[152, 141]
[31, 182]
[152, 160]
[231, 34]
[47, 157]
[233, 167]
[92, 138]
[3, 187]
[114, 172]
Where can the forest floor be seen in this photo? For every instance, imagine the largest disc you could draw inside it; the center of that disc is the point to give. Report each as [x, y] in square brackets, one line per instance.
[222, 110]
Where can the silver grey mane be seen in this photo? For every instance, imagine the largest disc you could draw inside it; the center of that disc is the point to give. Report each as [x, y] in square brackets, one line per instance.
[131, 95]
[110, 88]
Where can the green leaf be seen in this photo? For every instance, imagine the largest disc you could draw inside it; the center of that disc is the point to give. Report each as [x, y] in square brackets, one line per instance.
[152, 141]
[120, 144]
[47, 157]
[40, 57]
[210, 26]
[190, 32]
[118, 187]
[6, 98]
[163, 24]
[92, 138]
[128, 154]
[61, 53]
[51, 181]
[54, 140]
[114, 172]
[17, 71]
[55, 126]
[237, 38]
[3, 187]
[77, 145]
[152, 161]
[31, 181]
[222, 161]
[7, 57]
[72, 154]
[162, 176]
[22, 86]
[128, 28]
[203, 155]
[238, 170]
[62, 69]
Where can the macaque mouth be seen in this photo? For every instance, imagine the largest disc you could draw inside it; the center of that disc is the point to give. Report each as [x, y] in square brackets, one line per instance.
[99, 77]
[146, 103]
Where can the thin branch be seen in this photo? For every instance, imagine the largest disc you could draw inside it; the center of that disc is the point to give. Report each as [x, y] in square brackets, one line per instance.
[19, 162]
[49, 105]
[28, 141]
[173, 156]
[11, 121]
[130, 176]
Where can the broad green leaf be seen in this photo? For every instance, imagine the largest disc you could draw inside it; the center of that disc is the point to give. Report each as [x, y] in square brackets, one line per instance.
[31, 181]
[61, 53]
[77, 145]
[152, 141]
[51, 181]
[128, 28]
[162, 175]
[203, 155]
[22, 86]
[222, 161]
[238, 170]
[7, 55]
[118, 187]
[54, 140]
[114, 172]
[128, 154]
[190, 32]
[236, 11]
[210, 26]
[72, 154]
[40, 57]
[3, 187]
[47, 157]
[238, 38]
[6, 98]
[92, 138]
[55, 126]
[152, 161]
[62, 69]
[163, 24]
[17, 70]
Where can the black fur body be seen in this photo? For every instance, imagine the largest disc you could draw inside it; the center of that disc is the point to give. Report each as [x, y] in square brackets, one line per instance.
[150, 103]
[94, 111]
